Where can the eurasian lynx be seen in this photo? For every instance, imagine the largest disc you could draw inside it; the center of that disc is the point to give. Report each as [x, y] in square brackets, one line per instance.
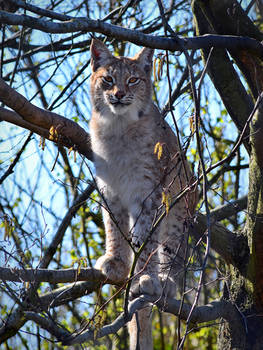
[125, 128]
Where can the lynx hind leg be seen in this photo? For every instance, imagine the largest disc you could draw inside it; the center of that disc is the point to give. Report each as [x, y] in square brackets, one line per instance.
[140, 330]
[115, 264]
[174, 234]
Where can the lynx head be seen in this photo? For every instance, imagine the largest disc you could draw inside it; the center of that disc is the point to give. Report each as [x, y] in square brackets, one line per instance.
[120, 86]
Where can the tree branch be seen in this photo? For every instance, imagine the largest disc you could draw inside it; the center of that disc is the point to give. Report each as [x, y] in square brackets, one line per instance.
[14, 118]
[70, 292]
[233, 248]
[16, 319]
[209, 312]
[10, 169]
[227, 210]
[57, 239]
[134, 36]
[51, 276]
[223, 241]
[47, 324]
[51, 125]
[224, 76]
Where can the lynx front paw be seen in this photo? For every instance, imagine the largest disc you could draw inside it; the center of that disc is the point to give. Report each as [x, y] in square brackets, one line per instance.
[113, 267]
[146, 284]
[153, 285]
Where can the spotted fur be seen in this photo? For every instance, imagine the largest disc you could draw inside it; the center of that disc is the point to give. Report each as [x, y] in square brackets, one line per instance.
[125, 128]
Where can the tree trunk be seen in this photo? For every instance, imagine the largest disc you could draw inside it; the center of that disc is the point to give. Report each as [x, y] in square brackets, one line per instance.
[244, 287]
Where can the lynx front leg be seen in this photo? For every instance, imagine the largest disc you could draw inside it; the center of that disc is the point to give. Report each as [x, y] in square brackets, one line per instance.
[147, 268]
[115, 264]
[147, 281]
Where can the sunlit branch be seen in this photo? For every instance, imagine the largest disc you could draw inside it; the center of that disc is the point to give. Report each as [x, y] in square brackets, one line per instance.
[51, 276]
[48, 124]
[135, 36]
[210, 312]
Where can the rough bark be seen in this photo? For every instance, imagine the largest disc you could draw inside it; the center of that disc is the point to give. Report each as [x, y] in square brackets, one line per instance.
[245, 285]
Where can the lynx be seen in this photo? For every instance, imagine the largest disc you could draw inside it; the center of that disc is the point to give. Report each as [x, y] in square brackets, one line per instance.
[134, 181]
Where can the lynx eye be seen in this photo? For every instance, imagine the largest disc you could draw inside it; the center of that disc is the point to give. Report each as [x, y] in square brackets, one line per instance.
[133, 81]
[107, 79]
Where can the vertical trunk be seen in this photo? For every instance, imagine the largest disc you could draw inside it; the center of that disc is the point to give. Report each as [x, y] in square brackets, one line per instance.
[245, 285]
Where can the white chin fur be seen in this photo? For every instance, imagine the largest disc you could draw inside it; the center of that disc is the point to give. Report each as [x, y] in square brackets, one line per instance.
[129, 112]
[119, 109]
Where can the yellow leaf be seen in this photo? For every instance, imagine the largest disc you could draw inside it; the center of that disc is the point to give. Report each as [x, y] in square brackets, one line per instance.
[53, 134]
[192, 124]
[99, 320]
[81, 262]
[7, 230]
[166, 200]
[158, 149]
[71, 149]
[8, 227]
[79, 267]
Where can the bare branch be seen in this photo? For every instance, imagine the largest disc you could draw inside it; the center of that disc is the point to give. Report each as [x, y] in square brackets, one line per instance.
[60, 296]
[13, 164]
[233, 248]
[40, 11]
[223, 241]
[134, 36]
[14, 118]
[47, 324]
[51, 276]
[57, 239]
[229, 209]
[51, 125]
[70, 292]
[11, 325]
[209, 312]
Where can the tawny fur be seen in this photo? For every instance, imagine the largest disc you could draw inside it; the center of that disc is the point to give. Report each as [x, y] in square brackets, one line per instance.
[125, 128]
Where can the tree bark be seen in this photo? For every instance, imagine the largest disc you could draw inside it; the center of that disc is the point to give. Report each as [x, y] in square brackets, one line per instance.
[245, 283]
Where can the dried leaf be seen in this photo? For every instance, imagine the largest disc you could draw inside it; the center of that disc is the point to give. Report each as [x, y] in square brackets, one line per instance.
[53, 134]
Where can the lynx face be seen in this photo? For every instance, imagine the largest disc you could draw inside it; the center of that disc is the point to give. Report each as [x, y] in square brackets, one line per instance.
[120, 86]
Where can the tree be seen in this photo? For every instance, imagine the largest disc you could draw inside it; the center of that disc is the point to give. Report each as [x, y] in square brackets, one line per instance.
[209, 87]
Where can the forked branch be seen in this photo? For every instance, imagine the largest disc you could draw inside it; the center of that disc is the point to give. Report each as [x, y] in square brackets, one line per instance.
[50, 125]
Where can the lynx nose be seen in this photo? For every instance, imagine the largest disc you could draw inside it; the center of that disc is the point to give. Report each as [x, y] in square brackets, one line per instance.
[119, 94]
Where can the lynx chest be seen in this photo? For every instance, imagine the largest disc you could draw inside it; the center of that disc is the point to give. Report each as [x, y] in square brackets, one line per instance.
[124, 159]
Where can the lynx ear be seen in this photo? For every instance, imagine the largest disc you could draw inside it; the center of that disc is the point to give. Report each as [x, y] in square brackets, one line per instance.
[99, 54]
[144, 57]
